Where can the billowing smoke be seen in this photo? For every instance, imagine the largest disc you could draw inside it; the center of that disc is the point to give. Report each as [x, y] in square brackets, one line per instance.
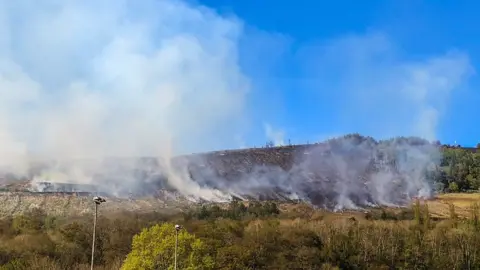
[83, 83]
[347, 172]
[108, 93]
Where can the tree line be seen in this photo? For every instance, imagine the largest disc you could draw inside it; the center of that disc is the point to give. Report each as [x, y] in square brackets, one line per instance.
[246, 236]
[458, 169]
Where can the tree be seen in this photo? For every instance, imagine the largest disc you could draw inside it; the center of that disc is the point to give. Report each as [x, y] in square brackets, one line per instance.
[453, 187]
[31, 222]
[154, 248]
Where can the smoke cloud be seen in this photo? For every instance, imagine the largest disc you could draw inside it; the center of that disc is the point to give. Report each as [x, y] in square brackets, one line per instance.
[88, 89]
[89, 80]
[346, 172]
[374, 88]
[274, 136]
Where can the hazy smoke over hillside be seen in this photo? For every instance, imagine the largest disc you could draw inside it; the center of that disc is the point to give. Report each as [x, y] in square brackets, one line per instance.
[342, 173]
[87, 88]
[81, 81]
[346, 172]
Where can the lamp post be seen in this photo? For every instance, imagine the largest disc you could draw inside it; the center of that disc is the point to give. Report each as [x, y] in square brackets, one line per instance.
[97, 200]
[177, 228]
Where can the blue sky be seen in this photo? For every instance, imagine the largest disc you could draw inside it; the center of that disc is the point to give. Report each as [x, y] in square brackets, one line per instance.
[294, 35]
[87, 78]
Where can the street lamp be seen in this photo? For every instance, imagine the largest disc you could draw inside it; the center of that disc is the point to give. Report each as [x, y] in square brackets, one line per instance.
[177, 228]
[97, 200]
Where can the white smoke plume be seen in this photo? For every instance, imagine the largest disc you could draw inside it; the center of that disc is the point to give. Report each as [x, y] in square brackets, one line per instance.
[88, 87]
[88, 80]
[274, 136]
[376, 89]
[348, 172]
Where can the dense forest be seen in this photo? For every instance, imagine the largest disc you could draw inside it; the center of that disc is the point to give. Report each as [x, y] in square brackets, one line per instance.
[460, 169]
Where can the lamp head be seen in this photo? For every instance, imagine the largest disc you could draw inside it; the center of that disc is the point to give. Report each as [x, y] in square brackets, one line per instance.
[98, 200]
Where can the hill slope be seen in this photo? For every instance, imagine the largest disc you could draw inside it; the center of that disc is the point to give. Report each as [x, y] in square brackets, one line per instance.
[346, 172]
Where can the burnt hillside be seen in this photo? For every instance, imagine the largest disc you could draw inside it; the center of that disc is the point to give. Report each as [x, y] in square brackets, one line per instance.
[343, 172]
[244, 160]
[286, 157]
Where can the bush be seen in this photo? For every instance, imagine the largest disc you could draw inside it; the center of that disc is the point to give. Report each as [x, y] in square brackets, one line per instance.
[249, 237]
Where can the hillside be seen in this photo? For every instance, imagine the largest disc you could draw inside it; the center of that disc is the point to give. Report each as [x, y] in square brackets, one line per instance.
[348, 172]
[345, 172]
[58, 204]
[443, 168]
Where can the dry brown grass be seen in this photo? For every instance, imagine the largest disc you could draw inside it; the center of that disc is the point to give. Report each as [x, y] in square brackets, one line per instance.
[440, 206]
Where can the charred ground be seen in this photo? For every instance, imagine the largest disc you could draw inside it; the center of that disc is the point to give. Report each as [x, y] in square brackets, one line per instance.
[345, 172]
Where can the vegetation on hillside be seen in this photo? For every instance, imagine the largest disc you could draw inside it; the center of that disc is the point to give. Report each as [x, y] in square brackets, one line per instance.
[458, 168]
[242, 236]
[264, 235]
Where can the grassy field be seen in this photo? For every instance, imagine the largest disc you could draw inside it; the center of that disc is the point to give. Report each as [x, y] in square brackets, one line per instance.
[439, 207]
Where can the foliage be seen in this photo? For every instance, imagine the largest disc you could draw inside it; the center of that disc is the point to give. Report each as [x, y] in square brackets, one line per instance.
[235, 210]
[154, 248]
[265, 235]
[458, 167]
[251, 239]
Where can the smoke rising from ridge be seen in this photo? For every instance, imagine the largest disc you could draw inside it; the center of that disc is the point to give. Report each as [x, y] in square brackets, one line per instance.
[84, 80]
[90, 87]
[347, 172]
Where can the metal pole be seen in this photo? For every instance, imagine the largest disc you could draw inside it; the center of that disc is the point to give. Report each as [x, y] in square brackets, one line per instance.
[93, 240]
[176, 246]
